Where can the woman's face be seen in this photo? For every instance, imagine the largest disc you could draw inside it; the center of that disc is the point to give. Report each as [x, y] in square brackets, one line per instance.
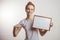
[30, 9]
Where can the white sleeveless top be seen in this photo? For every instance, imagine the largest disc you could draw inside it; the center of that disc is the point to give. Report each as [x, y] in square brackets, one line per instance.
[30, 34]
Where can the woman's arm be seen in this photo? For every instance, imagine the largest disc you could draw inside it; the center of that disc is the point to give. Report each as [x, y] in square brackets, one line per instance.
[16, 29]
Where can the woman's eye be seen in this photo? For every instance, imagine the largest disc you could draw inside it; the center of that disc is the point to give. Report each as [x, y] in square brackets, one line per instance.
[27, 8]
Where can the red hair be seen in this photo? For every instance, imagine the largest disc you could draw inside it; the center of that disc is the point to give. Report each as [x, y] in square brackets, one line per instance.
[30, 3]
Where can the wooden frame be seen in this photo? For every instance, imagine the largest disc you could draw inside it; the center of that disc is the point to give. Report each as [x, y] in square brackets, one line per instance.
[41, 22]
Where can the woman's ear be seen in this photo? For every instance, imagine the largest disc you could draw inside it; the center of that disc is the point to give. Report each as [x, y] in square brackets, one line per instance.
[25, 9]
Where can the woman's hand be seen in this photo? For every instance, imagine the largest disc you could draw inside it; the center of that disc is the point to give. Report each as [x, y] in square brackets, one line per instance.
[42, 31]
[35, 28]
[51, 24]
[16, 29]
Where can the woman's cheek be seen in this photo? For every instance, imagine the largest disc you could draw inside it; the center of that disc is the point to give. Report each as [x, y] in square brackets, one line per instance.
[27, 10]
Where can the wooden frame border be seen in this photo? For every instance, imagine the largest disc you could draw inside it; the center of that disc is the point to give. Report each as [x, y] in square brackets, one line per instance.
[43, 17]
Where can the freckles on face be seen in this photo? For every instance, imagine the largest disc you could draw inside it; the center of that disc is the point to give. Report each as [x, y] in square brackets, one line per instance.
[30, 9]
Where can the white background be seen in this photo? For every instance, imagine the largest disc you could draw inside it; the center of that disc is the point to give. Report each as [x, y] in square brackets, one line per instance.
[12, 11]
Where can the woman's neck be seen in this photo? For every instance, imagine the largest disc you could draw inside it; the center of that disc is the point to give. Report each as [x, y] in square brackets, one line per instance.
[29, 18]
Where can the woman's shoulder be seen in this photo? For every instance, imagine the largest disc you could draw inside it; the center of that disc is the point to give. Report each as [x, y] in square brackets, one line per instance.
[22, 21]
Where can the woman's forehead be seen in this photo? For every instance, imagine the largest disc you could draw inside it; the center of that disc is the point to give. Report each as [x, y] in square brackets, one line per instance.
[30, 6]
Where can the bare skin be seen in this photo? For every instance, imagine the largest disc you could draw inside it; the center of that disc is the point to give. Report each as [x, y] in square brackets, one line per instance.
[30, 9]
[16, 29]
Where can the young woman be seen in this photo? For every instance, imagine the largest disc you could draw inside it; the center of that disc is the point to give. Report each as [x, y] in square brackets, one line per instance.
[31, 33]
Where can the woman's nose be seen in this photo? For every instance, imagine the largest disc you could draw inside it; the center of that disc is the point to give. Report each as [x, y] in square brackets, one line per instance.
[30, 10]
